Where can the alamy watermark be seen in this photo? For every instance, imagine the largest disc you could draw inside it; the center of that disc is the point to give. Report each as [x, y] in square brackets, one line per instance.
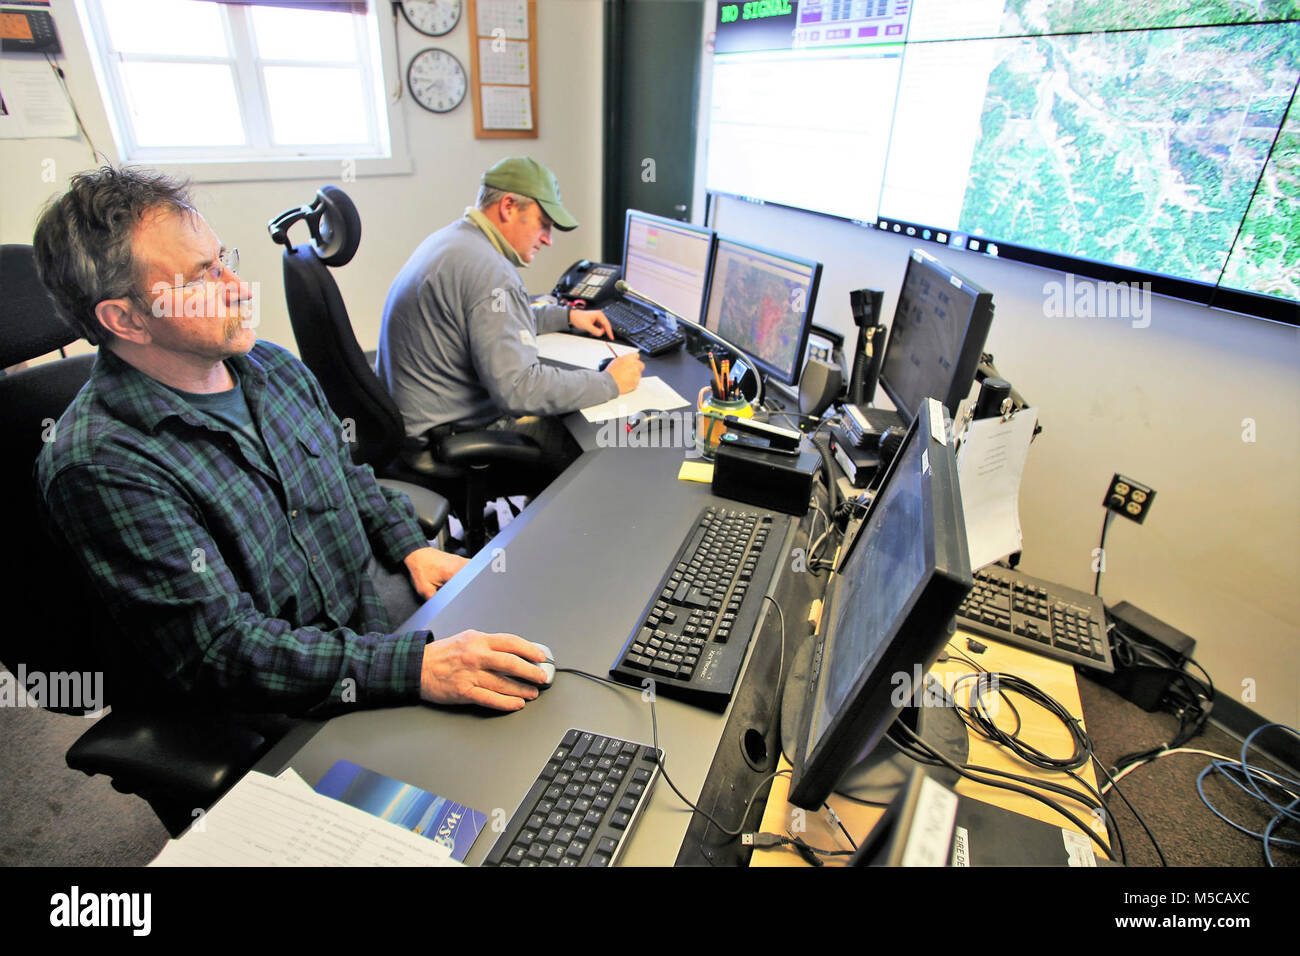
[59, 690]
[179, 300]
[675, 429]
[1083, 299]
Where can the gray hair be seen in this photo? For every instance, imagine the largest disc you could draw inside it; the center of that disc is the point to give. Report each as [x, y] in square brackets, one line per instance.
[83, 240]
[490, 196]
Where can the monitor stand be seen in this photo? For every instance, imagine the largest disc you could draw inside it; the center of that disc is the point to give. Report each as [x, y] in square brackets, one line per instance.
[878, 776]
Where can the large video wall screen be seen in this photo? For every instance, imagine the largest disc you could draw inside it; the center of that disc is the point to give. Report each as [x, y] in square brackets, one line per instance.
[1156, 141]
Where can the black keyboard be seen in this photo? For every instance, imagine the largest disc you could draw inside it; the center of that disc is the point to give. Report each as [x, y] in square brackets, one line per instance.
[582, 806]
[692, 636]
[641, 327]
[1054, 620]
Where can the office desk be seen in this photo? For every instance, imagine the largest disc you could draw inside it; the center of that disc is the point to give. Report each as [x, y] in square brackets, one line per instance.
[1040, 729]
[574, 572]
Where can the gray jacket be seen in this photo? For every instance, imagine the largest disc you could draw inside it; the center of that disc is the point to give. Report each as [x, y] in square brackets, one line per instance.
[459, 339]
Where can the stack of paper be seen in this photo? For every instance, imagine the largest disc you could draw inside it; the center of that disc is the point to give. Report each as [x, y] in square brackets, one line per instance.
[281, 821]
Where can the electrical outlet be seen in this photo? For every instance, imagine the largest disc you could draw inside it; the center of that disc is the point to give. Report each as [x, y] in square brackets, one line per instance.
[1130, 498]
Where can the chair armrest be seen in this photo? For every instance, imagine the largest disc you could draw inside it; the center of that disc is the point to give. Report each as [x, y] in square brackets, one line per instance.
[431, 508]
[165, 753]
[467, 449]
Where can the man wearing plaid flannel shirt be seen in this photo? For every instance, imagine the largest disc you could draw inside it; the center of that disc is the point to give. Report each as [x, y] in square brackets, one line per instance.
[204, 484]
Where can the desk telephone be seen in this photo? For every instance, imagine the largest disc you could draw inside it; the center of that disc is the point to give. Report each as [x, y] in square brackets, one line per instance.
[592, 282]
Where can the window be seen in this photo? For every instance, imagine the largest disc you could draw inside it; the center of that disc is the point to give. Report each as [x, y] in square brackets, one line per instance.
[204, 81]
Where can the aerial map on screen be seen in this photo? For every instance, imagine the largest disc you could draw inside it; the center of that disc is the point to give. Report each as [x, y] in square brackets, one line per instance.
[1138, 148]
[758, 312]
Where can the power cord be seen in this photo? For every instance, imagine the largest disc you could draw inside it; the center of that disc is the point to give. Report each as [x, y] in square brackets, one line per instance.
[1101, 551]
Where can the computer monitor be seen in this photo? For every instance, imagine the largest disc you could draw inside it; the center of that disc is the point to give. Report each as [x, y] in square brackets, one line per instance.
[763, 302]
[938, 335]
[668, 261]
[888, 612]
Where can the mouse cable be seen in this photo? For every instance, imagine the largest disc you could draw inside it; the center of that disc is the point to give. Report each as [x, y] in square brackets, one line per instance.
[1252, 776]
[654, 723]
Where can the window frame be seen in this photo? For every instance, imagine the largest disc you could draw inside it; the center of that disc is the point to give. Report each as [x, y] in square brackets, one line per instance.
[263, 160]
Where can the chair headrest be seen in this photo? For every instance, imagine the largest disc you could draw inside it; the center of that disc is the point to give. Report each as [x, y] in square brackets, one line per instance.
[333, 221]
[30, 324]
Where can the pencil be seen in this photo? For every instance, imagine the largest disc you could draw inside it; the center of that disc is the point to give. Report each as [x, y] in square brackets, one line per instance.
[718, 391]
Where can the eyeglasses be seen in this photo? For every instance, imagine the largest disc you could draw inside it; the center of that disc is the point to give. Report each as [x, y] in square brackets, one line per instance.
[213, 273]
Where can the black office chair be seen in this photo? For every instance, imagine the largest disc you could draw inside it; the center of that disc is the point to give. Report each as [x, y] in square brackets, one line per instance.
[471, 468]
[55, 623]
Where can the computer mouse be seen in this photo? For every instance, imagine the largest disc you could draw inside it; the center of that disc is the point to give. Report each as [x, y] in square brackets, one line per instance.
[604, 363]
[548, 668]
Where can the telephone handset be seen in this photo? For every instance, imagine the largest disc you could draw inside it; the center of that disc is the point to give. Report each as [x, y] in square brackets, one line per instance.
[592, 282]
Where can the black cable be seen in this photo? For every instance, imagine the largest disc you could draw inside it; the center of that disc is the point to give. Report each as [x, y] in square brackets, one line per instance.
[839, 823]
[1096, 805]
[654, 724]
[985, 725]
[1101, 551]
[1012, 787]
[828, 469]
[95, 155]
[1133, 810]
[1193, 714]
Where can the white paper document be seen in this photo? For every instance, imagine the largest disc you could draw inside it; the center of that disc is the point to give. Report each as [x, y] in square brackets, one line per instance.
[32, 104]
[653, 394]
[281, 821]
[989, 467]
[503, 61]
[508, 16]
[507, 107]
[580, 350]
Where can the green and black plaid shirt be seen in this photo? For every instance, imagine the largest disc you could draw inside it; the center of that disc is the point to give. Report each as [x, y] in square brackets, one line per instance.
[240, 585]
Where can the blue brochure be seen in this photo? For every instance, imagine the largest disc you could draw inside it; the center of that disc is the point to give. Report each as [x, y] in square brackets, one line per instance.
[452, 825]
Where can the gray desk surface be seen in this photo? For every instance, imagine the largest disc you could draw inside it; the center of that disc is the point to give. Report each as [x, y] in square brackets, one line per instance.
[572, 572]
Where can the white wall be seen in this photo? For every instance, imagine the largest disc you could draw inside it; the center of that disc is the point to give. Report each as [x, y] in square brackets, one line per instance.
[397, 211]
[1219, 554]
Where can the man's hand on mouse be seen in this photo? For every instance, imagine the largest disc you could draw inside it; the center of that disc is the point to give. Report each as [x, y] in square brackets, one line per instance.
[626, 370]
[476, 668]
[430, 569]
[591, 321]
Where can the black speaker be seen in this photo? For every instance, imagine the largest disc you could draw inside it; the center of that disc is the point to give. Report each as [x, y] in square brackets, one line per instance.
[819, 385]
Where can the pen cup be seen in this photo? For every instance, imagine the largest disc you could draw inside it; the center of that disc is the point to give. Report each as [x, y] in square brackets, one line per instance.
[709, 427]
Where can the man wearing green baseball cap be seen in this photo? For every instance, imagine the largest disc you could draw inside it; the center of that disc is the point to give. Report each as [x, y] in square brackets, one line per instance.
[458, 345]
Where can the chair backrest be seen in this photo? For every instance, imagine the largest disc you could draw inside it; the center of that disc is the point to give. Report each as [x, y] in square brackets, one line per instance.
[54, 623]
[327, 343]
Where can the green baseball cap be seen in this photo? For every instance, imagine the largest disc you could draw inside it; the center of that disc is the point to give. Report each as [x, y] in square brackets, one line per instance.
[526, 176]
